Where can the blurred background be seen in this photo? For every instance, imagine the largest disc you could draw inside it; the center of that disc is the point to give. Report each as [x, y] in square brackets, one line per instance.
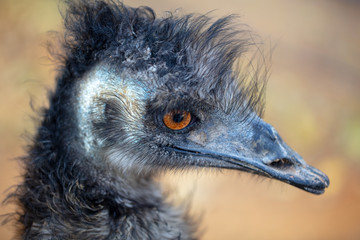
[313, 100]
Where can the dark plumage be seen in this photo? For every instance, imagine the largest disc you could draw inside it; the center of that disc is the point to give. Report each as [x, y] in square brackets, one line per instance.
[136, 95]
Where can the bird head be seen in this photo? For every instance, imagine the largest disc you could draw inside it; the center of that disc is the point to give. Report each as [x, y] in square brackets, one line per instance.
[164, 94]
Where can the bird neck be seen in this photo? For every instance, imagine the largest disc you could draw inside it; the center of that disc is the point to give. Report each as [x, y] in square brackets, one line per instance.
[129, 190]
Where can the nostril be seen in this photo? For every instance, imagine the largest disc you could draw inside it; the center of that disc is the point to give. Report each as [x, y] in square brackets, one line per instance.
[282, 163]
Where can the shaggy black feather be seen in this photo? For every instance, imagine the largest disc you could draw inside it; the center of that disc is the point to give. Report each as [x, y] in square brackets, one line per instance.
[64, 194]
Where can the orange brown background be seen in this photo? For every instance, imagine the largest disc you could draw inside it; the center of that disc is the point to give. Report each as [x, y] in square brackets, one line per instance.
[313, 99]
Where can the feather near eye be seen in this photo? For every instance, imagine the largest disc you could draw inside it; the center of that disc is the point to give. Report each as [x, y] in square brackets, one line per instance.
[177, 119]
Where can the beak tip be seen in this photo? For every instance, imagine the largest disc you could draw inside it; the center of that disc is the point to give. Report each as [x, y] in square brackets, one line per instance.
[322, 177]
[327, 181]
[321, 182]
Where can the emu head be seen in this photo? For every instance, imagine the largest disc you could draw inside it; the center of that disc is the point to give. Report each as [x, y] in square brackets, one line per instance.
[163, 93]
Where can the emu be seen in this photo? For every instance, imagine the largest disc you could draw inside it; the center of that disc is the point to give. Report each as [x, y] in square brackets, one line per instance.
[137, 95]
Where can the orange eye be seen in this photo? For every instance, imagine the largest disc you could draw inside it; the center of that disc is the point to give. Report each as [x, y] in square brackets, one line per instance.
[177, 119]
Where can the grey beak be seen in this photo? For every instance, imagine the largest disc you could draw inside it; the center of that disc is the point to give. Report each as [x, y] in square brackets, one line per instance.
[255, 148]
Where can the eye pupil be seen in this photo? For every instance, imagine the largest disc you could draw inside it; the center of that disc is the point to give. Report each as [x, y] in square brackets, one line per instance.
[177, 119]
